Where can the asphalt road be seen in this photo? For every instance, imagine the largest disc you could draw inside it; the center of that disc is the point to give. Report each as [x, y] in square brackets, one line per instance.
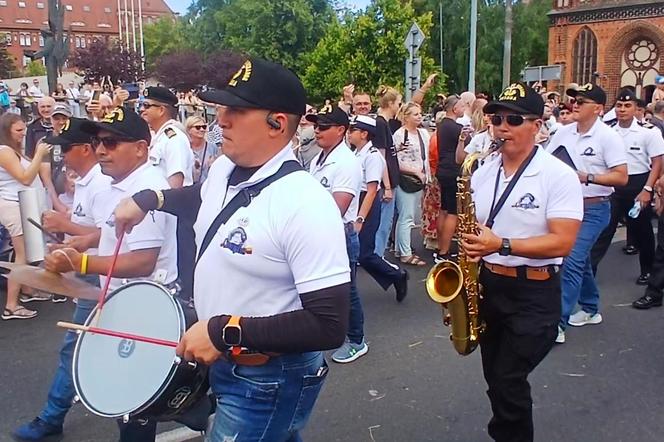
[604, 384]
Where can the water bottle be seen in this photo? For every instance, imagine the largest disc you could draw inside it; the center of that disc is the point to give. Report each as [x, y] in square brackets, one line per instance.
[635, 210]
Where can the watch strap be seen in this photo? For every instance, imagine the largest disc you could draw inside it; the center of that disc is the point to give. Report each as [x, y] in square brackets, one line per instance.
[647, 188]
[234, 321]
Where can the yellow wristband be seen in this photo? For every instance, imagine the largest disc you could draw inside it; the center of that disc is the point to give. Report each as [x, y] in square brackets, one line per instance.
[84, 264]
[160, 199]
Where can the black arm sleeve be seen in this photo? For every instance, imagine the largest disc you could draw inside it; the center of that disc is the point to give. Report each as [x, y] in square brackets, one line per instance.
[183, 202]
[321, 325]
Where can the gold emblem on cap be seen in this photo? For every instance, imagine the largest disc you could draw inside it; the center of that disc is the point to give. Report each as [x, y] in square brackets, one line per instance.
[586, 87]
[113, 116]
[243, 74]
[65, 128]
[513, 92]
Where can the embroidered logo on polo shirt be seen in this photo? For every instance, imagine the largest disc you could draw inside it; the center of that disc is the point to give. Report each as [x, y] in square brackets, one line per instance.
[110, 222]
[324, 182]
[527, 201]
[235, 242]
[589, 152]
[79, 210]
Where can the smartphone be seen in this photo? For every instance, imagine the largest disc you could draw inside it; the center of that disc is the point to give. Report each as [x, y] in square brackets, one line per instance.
[95, 95]
[132, 88]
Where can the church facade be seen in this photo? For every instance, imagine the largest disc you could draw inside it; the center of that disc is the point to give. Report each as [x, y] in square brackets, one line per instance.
[613, 43]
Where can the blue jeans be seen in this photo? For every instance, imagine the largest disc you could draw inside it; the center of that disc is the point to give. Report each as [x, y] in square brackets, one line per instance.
[62, 391]
[271, 402]
[386, 219]
[406, 204]
[577, 280]
[356, 320]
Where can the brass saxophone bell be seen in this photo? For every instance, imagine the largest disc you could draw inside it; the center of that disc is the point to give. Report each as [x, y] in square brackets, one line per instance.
[444, 282]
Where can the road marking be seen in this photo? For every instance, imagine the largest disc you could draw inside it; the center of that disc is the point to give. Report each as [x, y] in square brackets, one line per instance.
[178, 435]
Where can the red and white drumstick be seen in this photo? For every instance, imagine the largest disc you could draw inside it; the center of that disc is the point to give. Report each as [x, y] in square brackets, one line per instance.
[116, 334]
[104, 291]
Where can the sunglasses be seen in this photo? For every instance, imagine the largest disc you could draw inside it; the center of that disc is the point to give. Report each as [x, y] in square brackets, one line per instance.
[581, 101]
[110, 143]
[323, 127]
[512, 119]
[200, 127]
[149, 105]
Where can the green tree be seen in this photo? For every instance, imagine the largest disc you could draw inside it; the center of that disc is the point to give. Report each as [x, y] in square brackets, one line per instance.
[35, 68]
[366, 49]
[7, 67]
[165, 36]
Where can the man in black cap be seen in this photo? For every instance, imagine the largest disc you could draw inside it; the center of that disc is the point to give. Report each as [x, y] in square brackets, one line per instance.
[121, 140]
[597, 153]
[83, 229]
[645, 148]
[529, 208]
[271, 281]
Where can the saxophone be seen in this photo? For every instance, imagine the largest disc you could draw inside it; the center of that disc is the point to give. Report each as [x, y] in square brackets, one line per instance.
[456, 285]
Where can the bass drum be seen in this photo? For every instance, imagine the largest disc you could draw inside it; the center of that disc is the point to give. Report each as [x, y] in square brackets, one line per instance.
[122, 378]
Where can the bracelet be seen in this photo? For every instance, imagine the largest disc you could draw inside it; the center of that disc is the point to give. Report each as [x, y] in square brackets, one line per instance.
[84, 264]
[160, 199]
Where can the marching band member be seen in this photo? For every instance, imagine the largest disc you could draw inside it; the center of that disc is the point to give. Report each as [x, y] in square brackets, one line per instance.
[529, 208]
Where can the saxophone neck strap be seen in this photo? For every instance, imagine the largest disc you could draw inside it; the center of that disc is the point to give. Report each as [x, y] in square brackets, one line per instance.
[496, 206]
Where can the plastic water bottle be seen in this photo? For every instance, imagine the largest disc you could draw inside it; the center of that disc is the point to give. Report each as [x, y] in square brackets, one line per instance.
[635, 210]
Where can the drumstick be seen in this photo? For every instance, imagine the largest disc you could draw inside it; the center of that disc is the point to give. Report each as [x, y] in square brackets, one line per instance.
[44, 231]
[104, 291]
[106, 332]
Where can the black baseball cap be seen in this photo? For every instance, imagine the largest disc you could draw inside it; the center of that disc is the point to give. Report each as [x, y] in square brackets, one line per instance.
[120, 121]
[590, 91]
[336, 117]
[160, 95]
[520, 98]
[72, 133]
[626, 95]
[261, 84]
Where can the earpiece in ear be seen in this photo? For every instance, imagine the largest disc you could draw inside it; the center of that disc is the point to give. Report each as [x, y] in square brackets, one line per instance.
[274, 124]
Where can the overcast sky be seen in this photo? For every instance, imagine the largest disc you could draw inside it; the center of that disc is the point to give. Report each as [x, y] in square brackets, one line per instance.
[182, 5]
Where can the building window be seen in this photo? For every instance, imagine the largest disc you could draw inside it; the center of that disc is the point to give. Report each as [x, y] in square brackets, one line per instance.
[69, 7]
[86, 8]
[584, 57]
[107, 10]
[78, 42]
[21, 4]
[41, 40]
[8, 38]
[40, 5]
[83, 42]
[24, 40]
[3, 2]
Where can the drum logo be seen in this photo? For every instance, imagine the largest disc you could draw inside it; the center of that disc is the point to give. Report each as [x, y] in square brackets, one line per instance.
[126, 348]
[180, 395]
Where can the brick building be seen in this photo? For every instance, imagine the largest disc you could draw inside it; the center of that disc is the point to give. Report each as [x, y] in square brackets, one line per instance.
[612, 42]
[21, 20]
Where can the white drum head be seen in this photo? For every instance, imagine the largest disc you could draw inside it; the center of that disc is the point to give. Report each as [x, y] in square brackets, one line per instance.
[115, 376]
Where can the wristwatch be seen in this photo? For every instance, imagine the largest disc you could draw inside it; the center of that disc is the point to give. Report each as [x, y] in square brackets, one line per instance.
[232, 332]
[590, 178]
[505, 248]
[360, 219]
[647, 189]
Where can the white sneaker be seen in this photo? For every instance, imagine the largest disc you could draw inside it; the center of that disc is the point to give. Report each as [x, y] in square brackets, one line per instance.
[581, 318]
[560, 339]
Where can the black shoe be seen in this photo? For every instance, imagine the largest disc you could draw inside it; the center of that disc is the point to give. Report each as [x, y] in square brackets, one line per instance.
[646, 301]
[630, 250]
[401, 286]
[643, 279]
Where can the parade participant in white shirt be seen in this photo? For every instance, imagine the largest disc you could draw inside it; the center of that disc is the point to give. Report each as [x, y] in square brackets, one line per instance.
[121, 141]
[271, 283]
[84, 227]
[521, 243]
[645, 148]
[338, 171]
[598, 155]
[170, 152]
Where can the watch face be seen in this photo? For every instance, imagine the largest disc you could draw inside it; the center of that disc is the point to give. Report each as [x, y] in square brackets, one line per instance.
[232, 335]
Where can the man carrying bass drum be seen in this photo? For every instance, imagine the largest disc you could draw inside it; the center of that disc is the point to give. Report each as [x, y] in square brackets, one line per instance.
[529, 208]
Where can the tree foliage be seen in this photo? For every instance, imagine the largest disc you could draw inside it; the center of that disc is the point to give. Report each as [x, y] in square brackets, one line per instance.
[165, 36]
[35, 68]
[101, 59]
[7, 67]
[188, 69]
[366, 49]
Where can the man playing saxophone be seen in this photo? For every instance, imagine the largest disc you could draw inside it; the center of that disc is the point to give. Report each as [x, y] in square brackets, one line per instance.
[529, 208]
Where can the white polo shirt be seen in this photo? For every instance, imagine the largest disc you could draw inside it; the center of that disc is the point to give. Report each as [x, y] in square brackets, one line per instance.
[372, 164]
[171, 152]
[89, 206]
[340, 172]
[596, 151]
[547, 189]
[480, 143]
[643, 142]
[157, 230]
[289, 240]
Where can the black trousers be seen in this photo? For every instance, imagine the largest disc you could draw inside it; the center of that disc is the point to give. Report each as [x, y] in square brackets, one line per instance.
[520, 331]
[186, 240]
[656, 281]
[136, 431]
[383, 272]
[643, 237]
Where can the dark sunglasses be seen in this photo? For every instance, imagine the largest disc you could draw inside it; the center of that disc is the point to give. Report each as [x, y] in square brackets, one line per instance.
[581, 101]
[200, 127]
[323, 127]
[149, 105]
[512, 119]
[110, 143]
